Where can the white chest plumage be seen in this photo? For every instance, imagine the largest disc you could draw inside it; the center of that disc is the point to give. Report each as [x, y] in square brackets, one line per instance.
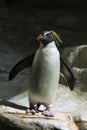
[44, 74]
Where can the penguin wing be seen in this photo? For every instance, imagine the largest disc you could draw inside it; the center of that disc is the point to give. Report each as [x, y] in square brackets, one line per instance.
[68, 74]
[26, 62]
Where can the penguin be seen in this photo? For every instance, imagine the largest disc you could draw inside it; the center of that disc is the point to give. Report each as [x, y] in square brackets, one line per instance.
[44, 74]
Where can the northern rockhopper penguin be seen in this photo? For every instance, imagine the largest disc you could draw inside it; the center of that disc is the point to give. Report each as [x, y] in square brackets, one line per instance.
[44, 72]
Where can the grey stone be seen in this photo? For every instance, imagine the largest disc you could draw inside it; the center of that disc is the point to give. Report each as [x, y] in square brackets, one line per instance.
[18, 119]
[76, 56]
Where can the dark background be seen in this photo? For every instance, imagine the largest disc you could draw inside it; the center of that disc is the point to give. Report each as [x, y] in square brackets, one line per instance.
[22, 20]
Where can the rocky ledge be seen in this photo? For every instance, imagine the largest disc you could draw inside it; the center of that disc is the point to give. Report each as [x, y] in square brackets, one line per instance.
[18, 119]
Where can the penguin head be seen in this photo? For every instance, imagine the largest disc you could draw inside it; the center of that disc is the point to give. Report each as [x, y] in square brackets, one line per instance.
[48, 36]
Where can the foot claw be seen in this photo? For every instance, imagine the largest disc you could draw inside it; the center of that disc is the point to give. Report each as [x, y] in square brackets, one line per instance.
[48, 113]
[32, 111]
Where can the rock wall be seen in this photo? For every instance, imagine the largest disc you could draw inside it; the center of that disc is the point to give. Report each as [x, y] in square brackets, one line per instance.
[19, 26]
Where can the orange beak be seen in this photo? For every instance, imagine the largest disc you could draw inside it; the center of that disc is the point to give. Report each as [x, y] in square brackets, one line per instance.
[40, 37]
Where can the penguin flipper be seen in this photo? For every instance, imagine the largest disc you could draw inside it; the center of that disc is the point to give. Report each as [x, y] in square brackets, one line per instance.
[26, 62]
[68, 74]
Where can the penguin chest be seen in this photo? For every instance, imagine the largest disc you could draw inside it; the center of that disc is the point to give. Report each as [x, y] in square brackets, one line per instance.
[44, 75]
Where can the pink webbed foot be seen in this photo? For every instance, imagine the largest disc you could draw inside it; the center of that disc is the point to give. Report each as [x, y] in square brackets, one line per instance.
[47, 112]
[32, 111]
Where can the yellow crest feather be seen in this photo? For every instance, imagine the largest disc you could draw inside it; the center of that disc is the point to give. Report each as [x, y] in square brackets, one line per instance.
[56, 37]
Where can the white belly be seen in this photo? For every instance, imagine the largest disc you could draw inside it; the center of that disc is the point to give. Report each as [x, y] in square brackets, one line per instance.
[44, 76]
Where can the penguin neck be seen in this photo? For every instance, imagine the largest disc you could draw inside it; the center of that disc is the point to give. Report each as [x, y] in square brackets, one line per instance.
[49, 45]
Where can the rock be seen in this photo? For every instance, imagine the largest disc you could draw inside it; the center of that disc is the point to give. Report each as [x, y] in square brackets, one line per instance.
[18, 119]
[76, 58]
[67, 104]
[80, 74]
[63, 80]
[76, 72]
